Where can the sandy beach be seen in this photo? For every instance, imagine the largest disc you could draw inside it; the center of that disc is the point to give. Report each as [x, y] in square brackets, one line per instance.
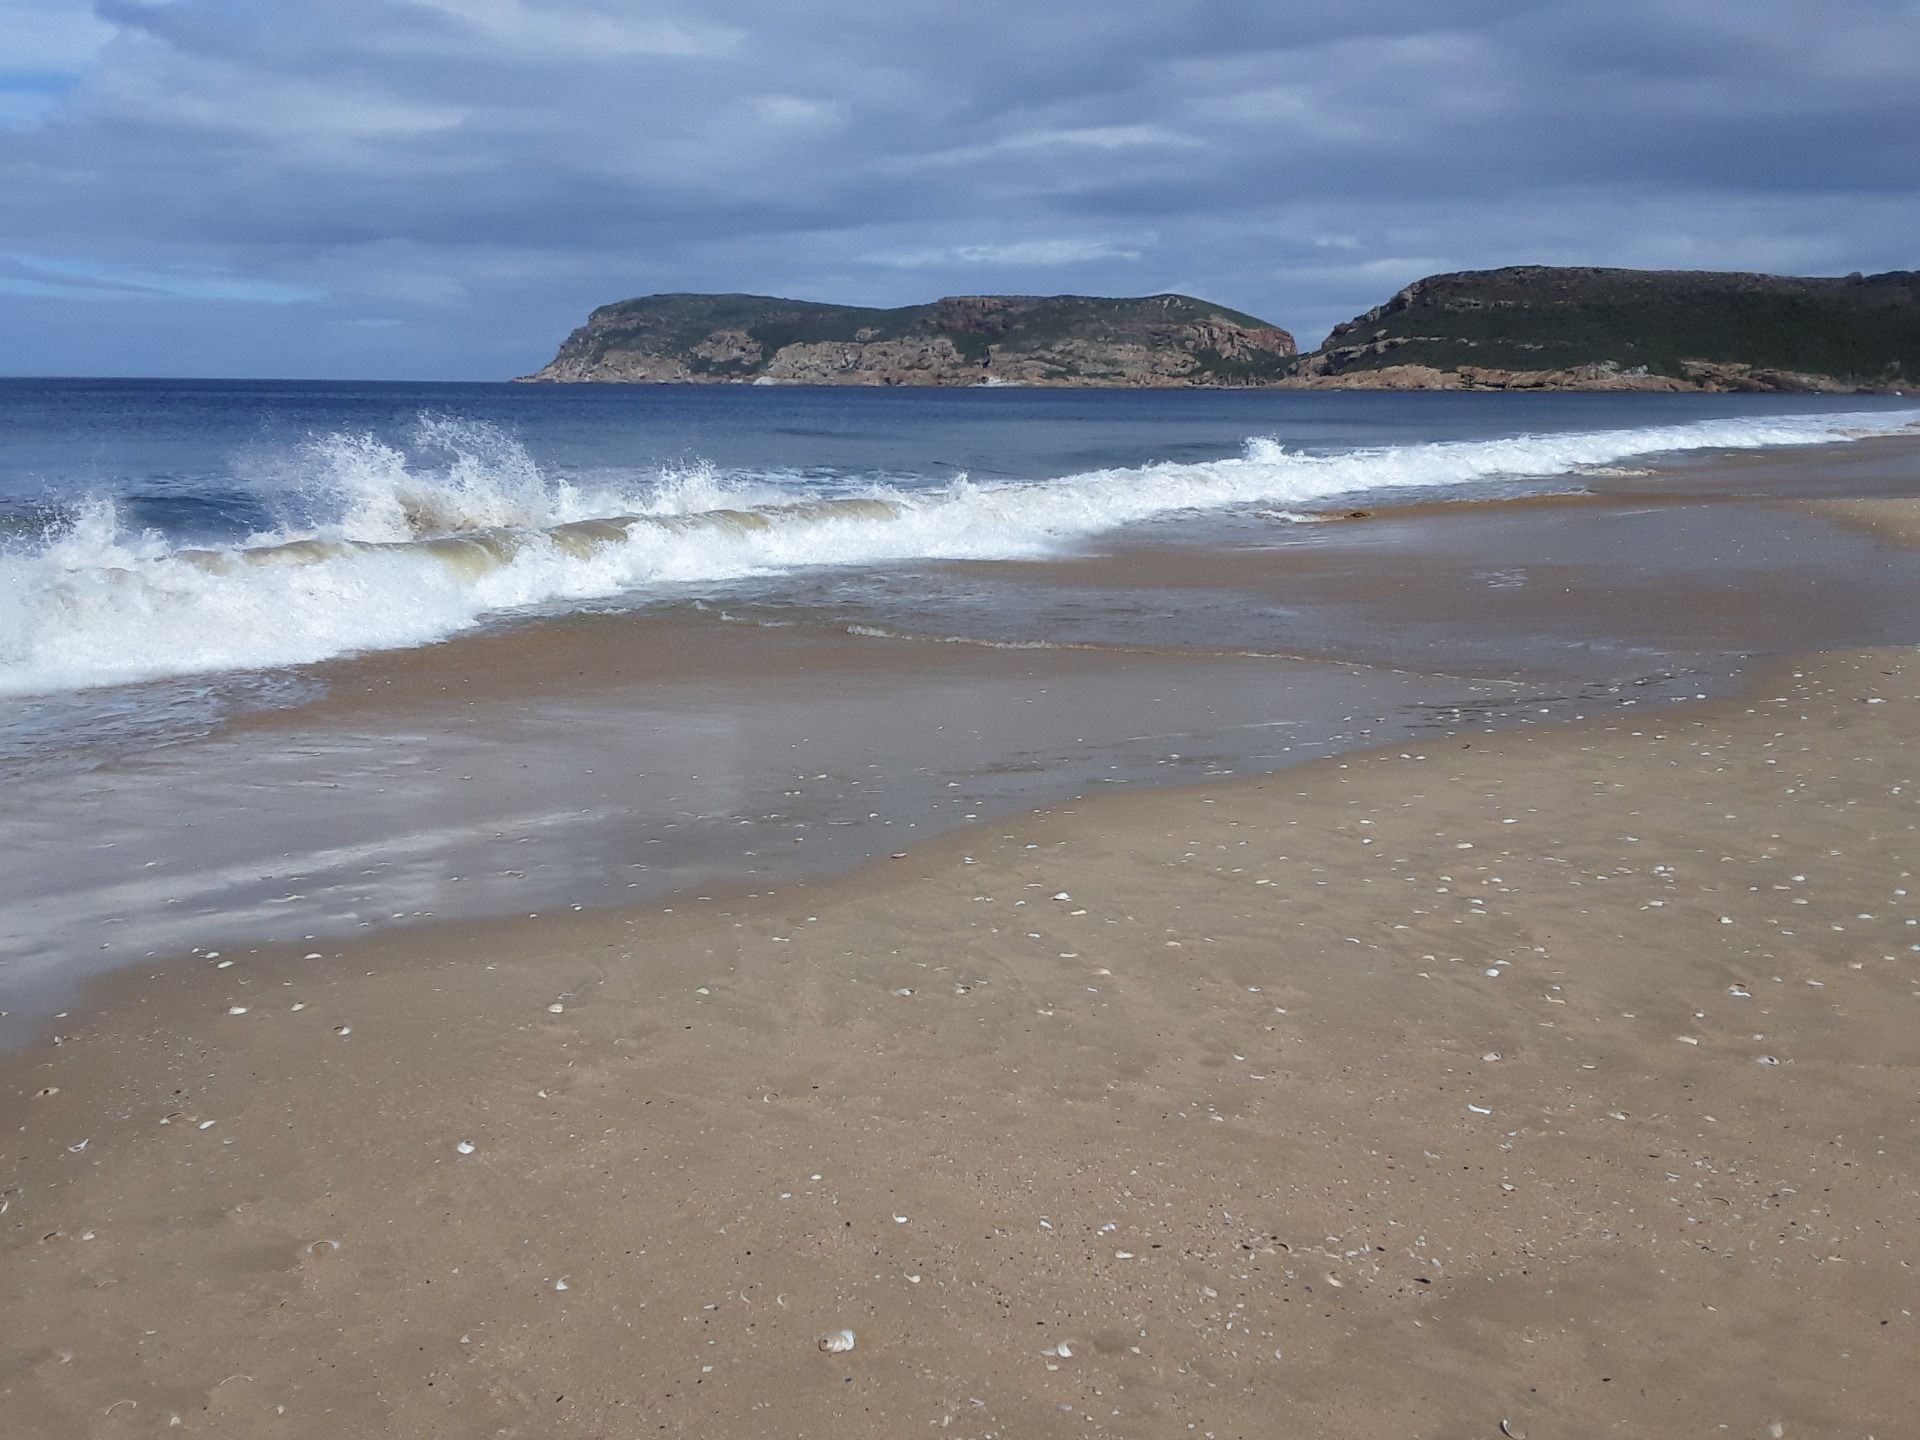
[1562, 1078]
[863, 722]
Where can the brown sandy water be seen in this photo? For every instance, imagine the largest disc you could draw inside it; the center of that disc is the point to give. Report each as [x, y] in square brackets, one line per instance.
[603, 759]
[606, 760]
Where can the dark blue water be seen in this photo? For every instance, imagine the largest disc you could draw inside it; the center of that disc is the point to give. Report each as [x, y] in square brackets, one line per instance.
[203, 459]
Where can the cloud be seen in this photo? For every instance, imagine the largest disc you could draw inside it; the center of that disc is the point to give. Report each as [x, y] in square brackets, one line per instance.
[1018, 252]
[45, 35]
[41, 275]
[476, 174]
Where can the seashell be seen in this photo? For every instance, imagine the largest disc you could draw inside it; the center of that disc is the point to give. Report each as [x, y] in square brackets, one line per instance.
[465, 1147]
[343, 1029]
[556, 1008]
[236, 1010]
[1062, 1351]
[314, 1248]
[1766, 1059]
[50, 1090]
[836, 1342]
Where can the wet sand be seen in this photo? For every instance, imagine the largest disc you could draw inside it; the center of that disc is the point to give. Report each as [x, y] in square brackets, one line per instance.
[1895, 518]
[1563, 1078]
[615, 759]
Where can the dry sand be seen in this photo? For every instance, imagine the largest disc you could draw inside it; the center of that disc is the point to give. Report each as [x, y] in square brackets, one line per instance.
[1563, 1079]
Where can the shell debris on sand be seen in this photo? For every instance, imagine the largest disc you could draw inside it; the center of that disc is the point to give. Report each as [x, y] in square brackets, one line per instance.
[836, 1342]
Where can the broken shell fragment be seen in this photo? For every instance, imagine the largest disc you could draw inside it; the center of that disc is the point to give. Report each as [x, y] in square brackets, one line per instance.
[836, 1342]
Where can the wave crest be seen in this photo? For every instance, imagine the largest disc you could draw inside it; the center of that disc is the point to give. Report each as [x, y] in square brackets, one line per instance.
[388, 547]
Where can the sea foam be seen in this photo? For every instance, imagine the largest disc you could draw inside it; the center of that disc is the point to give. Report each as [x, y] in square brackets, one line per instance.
[381, 548]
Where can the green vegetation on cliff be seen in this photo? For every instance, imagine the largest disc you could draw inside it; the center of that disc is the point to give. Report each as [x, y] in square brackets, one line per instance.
[1861, 330]
[961, 340]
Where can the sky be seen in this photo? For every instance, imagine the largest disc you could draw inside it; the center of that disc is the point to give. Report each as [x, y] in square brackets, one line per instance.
[441, 189]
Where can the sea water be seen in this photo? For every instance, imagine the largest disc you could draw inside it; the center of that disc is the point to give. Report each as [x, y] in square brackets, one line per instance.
[155, 530]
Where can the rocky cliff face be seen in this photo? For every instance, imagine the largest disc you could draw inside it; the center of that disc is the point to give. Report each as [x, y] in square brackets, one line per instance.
[1158, 340]
[1579, 328]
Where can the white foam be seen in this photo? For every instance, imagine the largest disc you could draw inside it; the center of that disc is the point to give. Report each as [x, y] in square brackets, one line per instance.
[391, 552]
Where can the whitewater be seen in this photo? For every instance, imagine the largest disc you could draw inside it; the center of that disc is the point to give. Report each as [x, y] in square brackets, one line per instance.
[382, 546]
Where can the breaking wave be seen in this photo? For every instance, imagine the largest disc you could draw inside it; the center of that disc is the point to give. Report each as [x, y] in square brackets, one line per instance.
[379, 548]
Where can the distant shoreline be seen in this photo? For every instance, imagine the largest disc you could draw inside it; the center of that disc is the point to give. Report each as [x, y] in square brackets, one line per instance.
[1554, 328]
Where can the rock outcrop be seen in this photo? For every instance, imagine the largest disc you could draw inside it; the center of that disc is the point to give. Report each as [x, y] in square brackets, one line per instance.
[1529, 327]
[1578, 328]
[1157, 340]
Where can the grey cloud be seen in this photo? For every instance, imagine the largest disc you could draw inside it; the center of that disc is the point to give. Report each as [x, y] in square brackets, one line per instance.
[458, 180]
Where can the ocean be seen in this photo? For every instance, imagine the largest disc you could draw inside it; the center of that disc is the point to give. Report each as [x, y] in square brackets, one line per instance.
[287, 660]
[159, 529]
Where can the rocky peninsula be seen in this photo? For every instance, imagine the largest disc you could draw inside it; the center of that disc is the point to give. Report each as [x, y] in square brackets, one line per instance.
[1528, 327]
[1537, 327]
[1156, 340]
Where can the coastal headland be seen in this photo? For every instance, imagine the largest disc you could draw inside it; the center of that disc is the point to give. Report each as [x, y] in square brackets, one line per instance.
[1521, 328]
[1548, 1079]
[961, 340]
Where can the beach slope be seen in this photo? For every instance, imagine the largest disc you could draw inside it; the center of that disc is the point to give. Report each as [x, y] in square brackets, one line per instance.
[1560, 1078]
